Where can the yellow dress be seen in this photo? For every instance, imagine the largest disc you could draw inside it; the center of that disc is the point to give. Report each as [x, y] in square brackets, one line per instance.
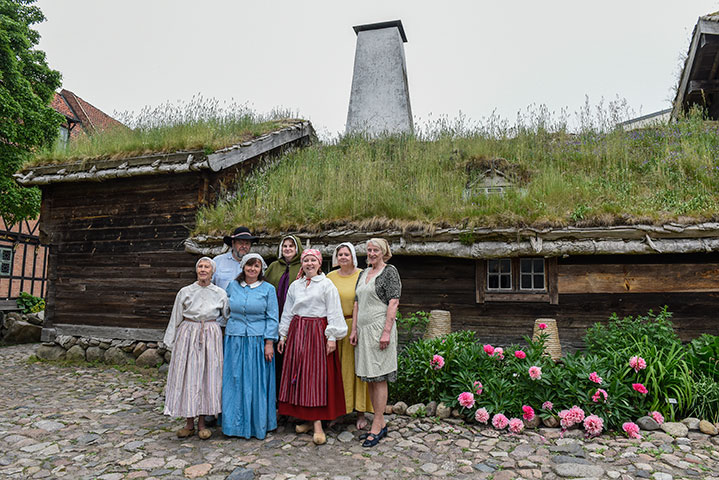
[356, 391]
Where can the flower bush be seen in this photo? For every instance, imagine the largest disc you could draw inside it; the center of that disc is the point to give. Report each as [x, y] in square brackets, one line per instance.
[605, 387]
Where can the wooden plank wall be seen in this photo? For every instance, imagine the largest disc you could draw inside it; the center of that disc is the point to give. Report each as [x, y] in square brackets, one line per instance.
[590, 289]
[116, 248]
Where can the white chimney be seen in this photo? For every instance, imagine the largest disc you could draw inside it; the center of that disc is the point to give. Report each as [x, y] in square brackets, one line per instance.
[379, 101]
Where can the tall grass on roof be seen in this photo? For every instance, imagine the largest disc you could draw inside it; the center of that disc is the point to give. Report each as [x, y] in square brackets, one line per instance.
[197, 124]
[595, 177]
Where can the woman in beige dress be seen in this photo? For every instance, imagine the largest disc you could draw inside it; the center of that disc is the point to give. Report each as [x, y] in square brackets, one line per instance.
[194, 380]
[374, 332]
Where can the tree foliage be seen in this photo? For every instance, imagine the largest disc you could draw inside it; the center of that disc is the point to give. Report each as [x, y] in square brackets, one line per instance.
[27, 122]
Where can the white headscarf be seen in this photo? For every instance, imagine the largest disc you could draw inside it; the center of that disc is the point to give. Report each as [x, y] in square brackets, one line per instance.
[352, 251]
[249, 257]
[208, 260]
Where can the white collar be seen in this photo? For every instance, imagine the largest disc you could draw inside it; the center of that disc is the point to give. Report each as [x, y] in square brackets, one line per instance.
[256, 284]
[316, 278]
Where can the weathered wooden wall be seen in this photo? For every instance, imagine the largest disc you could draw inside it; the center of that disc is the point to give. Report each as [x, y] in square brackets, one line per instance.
[590, 289]
[116, 252]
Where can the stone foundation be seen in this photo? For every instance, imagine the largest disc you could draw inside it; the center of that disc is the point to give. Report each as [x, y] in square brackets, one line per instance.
[16, 327]
[106, 350]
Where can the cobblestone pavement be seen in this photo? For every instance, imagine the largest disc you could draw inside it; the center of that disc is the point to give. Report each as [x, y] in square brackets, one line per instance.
[86, 423]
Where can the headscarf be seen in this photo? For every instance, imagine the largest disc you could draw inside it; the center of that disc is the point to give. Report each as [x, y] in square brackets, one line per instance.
[309, 251]
[382, 244]
[335, 263]
[279, 249]
[250, 256]
[209, 260]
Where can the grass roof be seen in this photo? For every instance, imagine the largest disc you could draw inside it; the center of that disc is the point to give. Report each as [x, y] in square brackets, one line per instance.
[200, 124]
[657, 175]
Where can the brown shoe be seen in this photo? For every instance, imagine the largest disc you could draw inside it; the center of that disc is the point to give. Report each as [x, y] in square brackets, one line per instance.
[319, 438]
[204, 434]
[185, 432]
[303, 427]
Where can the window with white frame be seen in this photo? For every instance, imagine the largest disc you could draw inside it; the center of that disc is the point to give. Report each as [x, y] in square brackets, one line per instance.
[5, 261]
[531, 274]
[525, 279]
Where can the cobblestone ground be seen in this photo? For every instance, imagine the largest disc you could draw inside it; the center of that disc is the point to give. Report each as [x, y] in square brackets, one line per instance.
[87, 423]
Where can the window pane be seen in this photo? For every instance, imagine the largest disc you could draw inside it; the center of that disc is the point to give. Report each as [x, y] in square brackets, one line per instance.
[493, 281]
[505, 281]
[539, 282]
[526, 282]
[525, 265]
[6, 254]
[493, 266]
[538, 265]
[505, 265]
[5, 268]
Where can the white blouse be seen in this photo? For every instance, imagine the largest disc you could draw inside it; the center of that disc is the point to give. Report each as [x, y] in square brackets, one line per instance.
[318, 299]
[198, 304]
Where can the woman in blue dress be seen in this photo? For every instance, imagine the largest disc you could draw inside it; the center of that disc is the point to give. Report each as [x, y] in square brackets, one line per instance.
[249, 398]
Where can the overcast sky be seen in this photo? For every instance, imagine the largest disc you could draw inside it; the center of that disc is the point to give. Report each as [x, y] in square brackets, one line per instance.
[471, 56]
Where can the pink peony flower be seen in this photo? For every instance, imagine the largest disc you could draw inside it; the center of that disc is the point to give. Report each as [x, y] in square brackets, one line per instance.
[478, 388]
[437, 362]
[547, 405]
[499, 421]
[657, 417]
[593, 425]
[516, 425]
[632, 430]
[488, 349]
[637, 363]
[535, 373]
[595, 378]
[481, 415]
[571, 417]
[466, 399]
[498, 352]
[640, 388]
[528, 412]
[520, 354]
[598, 395]
[542, 326]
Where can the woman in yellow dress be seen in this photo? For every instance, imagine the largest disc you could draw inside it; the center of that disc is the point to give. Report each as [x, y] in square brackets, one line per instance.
[345, 278]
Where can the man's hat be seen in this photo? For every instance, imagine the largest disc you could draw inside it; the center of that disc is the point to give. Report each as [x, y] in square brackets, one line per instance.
[240, 233]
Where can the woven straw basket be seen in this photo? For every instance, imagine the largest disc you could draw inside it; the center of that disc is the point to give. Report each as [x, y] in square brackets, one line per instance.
[552, 347]
[440, 323]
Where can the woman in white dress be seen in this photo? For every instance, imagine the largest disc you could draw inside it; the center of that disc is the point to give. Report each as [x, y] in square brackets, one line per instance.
[312, 322]
[194, 379]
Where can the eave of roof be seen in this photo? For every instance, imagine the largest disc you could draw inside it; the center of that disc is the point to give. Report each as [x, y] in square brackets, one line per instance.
[503, 242]
[163, 163]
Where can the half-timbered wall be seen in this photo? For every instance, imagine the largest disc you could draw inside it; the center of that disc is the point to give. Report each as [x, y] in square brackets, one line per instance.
[22, 260]
[590, 288]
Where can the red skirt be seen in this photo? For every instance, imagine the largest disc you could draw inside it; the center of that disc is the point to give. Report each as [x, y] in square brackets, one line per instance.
[311, 384]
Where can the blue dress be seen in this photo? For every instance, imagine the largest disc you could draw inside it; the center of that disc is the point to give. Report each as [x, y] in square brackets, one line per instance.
[249, 398]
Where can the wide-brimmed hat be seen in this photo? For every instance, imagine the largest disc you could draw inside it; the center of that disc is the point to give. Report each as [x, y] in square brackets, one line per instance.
[240, 233]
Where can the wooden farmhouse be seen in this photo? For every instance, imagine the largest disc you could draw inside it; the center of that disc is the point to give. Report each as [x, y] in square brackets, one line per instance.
[498, 281]
[115, 230]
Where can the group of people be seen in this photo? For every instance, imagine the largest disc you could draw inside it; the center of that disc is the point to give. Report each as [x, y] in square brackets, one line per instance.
[296, 342]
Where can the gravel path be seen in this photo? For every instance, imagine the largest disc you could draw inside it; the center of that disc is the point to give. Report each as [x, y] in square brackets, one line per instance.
[100, 423]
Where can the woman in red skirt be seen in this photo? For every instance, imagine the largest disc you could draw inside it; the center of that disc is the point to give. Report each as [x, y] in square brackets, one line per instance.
[312, 322]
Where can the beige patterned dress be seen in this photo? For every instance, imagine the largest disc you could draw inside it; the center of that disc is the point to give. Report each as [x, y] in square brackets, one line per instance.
[371, 363]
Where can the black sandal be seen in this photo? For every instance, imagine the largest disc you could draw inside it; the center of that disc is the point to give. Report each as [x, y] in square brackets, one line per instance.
[382, 433]
[372, 440]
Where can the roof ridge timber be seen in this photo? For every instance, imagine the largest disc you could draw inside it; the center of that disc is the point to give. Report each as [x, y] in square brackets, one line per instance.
[504, 242]
[163, 163]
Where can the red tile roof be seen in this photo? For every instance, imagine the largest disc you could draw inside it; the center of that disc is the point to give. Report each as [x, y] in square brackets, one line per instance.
[82, 117]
